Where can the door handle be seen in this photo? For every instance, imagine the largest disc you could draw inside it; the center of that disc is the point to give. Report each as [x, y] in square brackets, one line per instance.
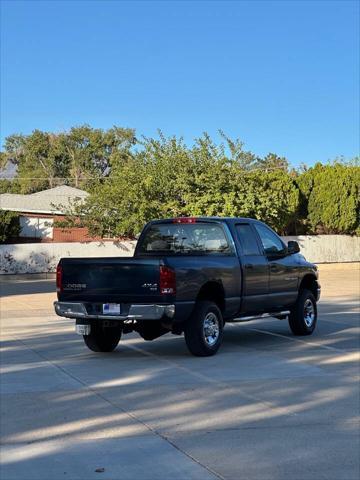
[274, 268]
[249, 265]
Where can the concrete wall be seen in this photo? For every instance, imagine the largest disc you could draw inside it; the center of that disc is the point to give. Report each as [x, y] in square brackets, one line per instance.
[328, 248]
[43, 257]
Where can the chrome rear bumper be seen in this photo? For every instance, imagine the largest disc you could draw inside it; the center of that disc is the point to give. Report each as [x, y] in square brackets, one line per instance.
[135, 312]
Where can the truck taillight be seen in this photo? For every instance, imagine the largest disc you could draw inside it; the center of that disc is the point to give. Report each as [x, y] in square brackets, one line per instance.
[59, 278]
[167, 280]
[184, 220]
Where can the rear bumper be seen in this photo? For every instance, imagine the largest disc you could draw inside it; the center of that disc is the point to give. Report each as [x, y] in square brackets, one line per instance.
[133, 312]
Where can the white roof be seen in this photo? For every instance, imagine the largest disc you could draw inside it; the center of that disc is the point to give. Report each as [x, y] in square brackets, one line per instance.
[42, 202]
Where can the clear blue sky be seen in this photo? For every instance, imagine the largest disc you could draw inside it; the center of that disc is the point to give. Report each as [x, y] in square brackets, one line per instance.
[283, 76]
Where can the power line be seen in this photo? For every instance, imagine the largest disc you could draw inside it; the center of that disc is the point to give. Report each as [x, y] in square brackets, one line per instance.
[264, 169]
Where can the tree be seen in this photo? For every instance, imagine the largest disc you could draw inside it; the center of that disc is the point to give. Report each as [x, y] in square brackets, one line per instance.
[244, 159]
[94, 152]
[38, 160]
[167, 178]
[14, 150]
[36, 168]
[44, 160]
[273, 162]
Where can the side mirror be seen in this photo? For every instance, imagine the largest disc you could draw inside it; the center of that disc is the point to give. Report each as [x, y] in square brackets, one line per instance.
[293, 247]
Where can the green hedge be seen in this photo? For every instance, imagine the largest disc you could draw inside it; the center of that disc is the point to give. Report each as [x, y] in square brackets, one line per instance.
[331, 198]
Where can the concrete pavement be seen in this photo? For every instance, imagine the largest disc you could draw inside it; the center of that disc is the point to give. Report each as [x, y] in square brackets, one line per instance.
[268, 406]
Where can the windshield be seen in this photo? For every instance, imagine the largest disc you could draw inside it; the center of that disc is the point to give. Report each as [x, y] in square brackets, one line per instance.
[171, 239]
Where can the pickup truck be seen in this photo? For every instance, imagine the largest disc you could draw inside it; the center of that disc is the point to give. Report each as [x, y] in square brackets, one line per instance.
[192, 276]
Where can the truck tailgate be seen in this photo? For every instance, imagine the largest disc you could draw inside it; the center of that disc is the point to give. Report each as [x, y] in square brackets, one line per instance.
[119, 279]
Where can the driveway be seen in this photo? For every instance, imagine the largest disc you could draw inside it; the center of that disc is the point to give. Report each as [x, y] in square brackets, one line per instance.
[268, 406]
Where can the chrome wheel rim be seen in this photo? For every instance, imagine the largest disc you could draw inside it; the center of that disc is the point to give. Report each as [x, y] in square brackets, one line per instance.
[309, 313]
[211, 329]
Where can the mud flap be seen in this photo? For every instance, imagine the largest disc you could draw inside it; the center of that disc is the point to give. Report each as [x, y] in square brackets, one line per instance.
[149, 330]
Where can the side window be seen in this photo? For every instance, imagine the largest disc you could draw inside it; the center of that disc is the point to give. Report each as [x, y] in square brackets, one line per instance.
[271, 242]
[247, 239]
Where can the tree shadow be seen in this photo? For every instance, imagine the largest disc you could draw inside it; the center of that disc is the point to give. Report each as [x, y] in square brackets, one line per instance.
[10, 287]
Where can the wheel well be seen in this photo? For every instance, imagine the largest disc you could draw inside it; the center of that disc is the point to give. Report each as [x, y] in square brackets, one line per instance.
[310, 283]
[214, 292]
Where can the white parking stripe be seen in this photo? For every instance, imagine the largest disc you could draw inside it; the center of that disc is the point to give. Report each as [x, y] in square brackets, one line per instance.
[295, 339]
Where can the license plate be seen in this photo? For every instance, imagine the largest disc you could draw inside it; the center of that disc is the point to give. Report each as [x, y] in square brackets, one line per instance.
[83, 329]
[111, 308]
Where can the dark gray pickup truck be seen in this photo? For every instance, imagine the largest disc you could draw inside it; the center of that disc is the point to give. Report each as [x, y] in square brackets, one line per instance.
[191, 276]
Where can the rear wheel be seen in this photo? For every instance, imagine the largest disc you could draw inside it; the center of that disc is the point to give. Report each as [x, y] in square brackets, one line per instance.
[102, 339]
[303, 316]
[204, 329]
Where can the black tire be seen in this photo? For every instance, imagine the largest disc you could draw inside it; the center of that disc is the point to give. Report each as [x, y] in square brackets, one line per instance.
[102, 339]
[198, 343]
[303, 316]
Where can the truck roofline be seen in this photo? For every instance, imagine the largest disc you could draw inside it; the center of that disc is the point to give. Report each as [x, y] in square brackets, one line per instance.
[206, 219]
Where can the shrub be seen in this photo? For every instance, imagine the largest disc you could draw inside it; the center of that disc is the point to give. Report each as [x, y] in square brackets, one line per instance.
[9, 225]
[332, 200]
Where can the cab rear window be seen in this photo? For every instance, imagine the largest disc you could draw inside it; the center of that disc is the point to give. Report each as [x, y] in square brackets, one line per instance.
[190, 239]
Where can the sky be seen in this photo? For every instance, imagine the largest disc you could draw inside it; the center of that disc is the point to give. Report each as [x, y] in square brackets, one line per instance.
[283, 76]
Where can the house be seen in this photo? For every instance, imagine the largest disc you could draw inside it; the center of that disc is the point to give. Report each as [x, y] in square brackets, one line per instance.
[39, 210]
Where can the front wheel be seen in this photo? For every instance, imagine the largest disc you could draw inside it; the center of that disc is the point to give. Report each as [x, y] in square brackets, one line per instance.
[102, 339]
[303, 316]
[204, 329]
